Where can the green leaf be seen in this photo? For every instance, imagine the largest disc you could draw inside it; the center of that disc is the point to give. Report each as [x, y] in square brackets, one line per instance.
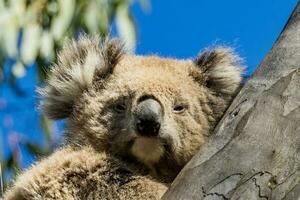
[18, 70]
[125, 26]
[47, 128]
[10, 37]
[30, 43]
[62, 21]
[47, 46]
[36, 149]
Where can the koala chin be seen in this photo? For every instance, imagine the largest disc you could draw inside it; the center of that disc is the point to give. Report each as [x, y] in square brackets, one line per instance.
[133, 122]
[147, 150]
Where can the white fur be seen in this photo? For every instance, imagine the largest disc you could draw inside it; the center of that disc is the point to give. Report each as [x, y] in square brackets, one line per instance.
[147, 150]
[75, 71]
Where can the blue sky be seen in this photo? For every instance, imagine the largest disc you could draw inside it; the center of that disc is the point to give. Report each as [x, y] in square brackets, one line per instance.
[181, 29]
[173, 28]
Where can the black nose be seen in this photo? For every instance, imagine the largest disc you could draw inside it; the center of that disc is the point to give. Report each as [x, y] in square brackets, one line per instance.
[148, 127]
[148, 117]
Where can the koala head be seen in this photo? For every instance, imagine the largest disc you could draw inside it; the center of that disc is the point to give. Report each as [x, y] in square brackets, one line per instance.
[155, 111]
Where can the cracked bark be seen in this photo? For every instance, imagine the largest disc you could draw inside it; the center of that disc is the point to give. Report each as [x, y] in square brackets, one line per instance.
[254, 152]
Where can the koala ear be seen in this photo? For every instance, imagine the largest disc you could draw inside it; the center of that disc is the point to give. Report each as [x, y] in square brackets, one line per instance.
[79, 64]
[220, 70]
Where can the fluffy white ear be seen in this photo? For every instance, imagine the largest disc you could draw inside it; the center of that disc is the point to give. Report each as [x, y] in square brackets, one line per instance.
[79, 64]
[220, 70]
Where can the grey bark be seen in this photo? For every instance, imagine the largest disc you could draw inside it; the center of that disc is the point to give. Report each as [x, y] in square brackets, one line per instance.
[254, 152]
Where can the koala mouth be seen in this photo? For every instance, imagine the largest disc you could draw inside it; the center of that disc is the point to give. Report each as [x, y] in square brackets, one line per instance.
[148, 147]
[147, 150]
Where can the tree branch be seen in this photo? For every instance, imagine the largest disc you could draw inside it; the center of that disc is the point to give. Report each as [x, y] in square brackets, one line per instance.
[254, 152]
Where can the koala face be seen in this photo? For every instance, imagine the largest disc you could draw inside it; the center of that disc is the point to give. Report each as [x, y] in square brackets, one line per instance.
[154, 110]
[145, 109]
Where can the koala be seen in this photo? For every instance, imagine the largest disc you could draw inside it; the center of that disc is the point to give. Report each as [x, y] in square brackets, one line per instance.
[133, 122]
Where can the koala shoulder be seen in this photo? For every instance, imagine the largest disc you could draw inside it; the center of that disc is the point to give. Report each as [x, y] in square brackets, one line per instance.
[96, 174]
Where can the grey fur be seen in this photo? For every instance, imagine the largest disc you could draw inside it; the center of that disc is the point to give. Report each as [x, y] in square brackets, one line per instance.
[79, 64]
[221, 69]
[90, 80]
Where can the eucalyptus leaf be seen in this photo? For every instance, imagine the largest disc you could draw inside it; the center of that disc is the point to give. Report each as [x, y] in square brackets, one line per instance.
[91, 16]
[18, 70]
[2, 5]
[62, 21]
[126, 26]
[10, 38]
[35, 149]
[47, 46]
[47, 127]
[30, 43]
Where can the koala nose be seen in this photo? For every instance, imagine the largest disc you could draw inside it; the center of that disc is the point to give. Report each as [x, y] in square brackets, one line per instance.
[148, 118]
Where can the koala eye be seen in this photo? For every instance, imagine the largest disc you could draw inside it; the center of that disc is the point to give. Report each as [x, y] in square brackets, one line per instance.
[120, 107]
[179, 109]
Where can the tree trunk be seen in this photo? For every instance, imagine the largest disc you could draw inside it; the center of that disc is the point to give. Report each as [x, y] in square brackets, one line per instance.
[254, 152]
